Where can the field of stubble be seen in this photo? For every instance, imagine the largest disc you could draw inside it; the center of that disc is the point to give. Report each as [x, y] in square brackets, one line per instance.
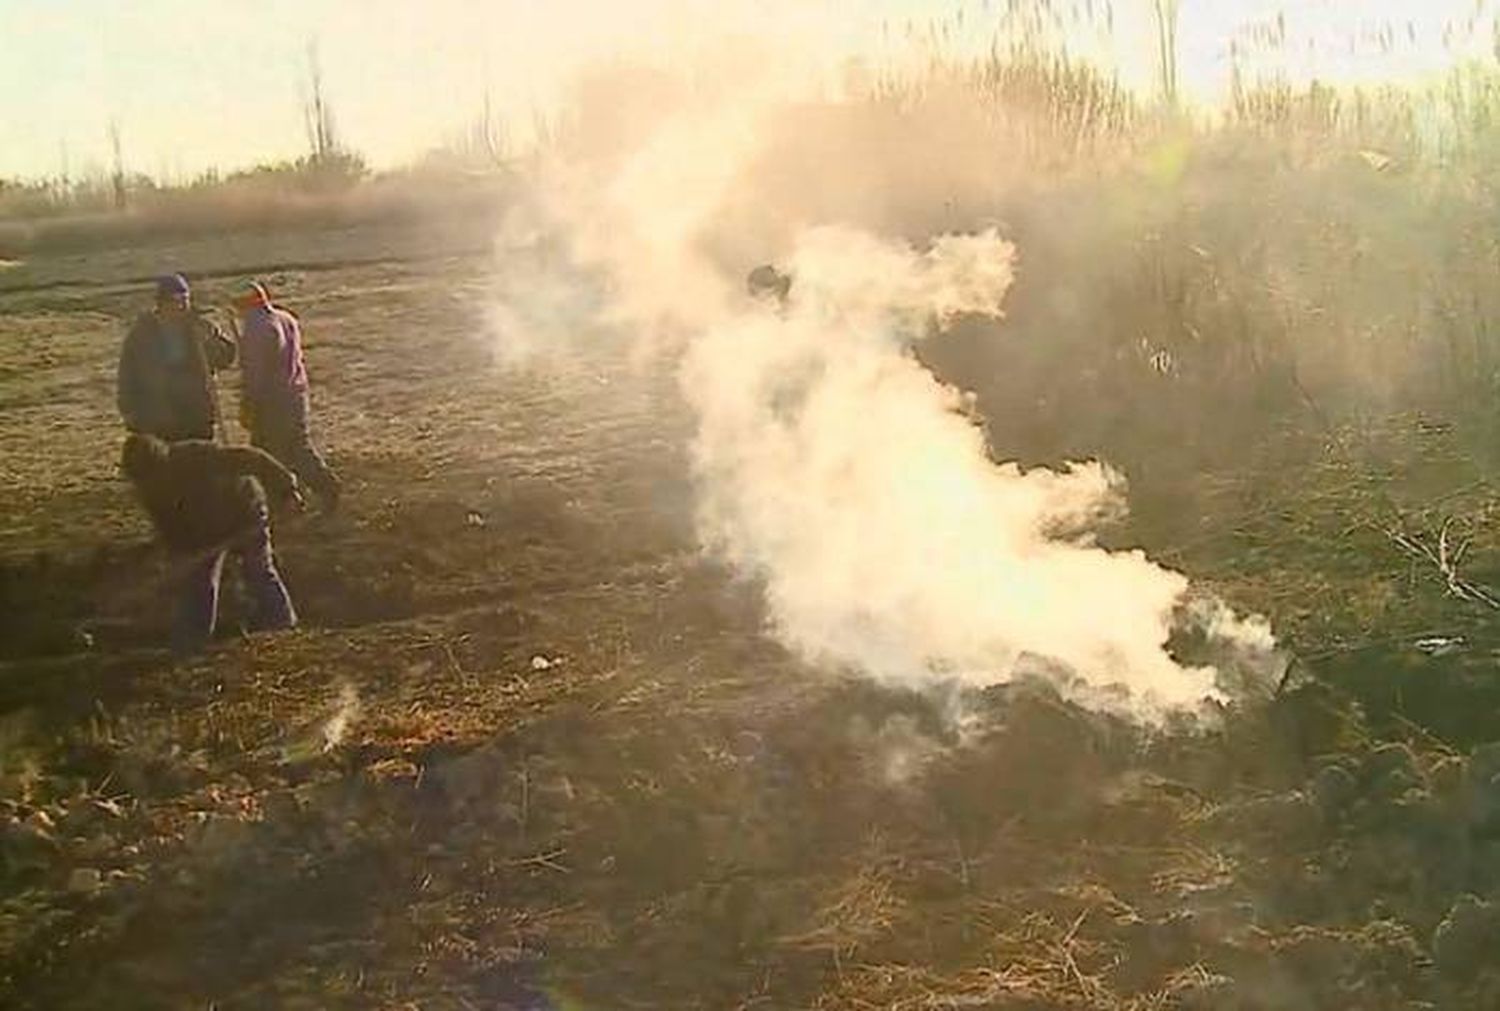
[530, 750]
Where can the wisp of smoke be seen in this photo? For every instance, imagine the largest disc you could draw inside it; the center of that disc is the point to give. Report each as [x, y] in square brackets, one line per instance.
[836, 469]
[323, 735]
[345, 712]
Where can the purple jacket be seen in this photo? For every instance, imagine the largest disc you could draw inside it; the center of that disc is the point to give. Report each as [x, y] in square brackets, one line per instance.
[271, 356]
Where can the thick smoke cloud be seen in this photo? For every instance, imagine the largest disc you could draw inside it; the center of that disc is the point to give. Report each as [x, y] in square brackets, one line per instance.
[840, 472]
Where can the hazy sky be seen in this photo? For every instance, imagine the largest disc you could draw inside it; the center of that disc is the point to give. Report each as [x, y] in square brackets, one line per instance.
[199, 83]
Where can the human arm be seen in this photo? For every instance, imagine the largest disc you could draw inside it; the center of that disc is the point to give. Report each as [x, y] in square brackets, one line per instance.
[130, 391]
[218, 347]
[279, 482]
[211, 458]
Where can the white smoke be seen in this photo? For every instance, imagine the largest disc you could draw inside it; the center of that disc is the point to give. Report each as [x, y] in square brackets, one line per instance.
[838, 471]
[345, 712]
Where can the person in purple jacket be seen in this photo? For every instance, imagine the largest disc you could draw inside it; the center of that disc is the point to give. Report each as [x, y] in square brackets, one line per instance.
[274, 400]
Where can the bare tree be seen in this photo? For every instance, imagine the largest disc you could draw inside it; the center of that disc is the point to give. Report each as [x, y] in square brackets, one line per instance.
[317, 115]
[65, 176]
[329, 163]
[117, 178]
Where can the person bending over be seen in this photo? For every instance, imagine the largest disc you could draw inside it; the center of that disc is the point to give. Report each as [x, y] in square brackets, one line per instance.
[208, 501]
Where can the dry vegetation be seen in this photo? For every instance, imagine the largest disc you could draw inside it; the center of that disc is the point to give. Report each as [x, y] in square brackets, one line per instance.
[252, 204]
[530, 751]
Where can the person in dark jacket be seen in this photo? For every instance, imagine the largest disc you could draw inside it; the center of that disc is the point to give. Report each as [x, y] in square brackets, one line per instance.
[274, 400]
[167, 365]
[208, 501]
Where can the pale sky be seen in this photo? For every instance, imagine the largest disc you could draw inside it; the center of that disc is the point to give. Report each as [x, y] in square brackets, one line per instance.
[200, 83]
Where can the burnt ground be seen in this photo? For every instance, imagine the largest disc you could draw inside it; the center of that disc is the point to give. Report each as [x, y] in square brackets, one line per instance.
[530, 750]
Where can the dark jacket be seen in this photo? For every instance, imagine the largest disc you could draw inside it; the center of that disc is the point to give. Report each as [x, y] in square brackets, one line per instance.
[201, 495]
[166, 376]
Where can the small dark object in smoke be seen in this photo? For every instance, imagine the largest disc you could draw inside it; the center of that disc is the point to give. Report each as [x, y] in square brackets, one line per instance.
[766, 281]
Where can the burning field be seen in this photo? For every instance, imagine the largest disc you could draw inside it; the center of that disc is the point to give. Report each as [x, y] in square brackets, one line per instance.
[1056, 591]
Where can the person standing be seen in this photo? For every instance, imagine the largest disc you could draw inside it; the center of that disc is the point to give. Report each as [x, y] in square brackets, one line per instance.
[165, 380]
[274, 394]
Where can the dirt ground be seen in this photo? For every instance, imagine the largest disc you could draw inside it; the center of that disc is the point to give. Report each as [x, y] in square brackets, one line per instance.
[530, 750]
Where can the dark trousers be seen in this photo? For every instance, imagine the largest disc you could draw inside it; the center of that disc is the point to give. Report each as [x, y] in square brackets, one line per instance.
[281, 430]
[182, 433]
[198, 607]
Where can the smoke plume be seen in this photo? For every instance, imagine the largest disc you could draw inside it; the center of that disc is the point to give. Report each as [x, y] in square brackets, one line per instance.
[831, 465]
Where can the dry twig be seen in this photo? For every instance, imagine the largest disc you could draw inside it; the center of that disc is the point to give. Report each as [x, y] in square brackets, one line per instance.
[1446, 559]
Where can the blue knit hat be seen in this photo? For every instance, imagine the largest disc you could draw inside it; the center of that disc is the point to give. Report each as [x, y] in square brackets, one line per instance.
[171, 286]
